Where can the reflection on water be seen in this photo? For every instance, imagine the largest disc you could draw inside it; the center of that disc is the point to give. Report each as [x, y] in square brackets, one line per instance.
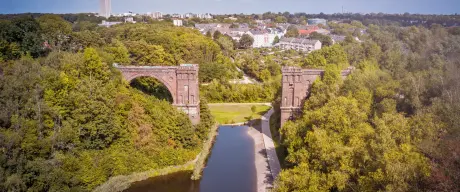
[175, 182]
[230, 168]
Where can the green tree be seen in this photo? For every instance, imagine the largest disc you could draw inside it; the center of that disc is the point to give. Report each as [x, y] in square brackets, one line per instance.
[265, 75]
[84, 25]
[212, 71]
[246, 41]
[143, 53]
[226, 44]
[280, 19]
[26, 32]
[55, 30]
[276, 40]
[334, 139]
[325, 39]
[85, 38]
[217, 34]
[208, 34]
[119, 52]
[93, 66]
[315, 59]
[9, 51]
[292, 31]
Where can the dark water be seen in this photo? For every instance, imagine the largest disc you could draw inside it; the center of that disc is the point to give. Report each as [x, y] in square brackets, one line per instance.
[230, 168]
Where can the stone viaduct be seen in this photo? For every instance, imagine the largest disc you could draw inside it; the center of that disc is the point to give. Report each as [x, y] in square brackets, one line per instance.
[181, 81]
[296, 84]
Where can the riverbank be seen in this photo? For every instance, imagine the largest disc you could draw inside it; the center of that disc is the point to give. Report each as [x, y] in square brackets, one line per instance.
[203, 156]
[123, 182]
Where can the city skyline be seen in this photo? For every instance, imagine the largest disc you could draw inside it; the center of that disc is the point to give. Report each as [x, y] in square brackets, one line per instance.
[237, 6]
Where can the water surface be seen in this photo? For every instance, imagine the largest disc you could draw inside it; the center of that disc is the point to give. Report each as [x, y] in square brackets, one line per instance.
[230, 168]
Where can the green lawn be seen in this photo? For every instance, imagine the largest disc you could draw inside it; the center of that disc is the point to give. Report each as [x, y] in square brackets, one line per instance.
[236, 113]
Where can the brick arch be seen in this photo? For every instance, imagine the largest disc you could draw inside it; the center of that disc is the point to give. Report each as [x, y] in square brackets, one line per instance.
[181, 81]
[162, 78]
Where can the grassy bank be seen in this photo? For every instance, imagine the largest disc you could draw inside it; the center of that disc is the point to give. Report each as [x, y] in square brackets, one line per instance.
[122, 182]
[207, 147]
[281, 152]
[237, 113]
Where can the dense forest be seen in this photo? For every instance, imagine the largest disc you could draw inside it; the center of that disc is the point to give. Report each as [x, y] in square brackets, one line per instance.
[68, 121]
[405, 19]
[393, 125]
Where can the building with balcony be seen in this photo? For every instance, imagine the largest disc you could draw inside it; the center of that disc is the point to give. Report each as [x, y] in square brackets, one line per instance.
[299, 44]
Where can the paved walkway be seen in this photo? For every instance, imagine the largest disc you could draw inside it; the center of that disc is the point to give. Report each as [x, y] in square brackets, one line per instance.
[263, 174]
[266, 160]
[273, 161]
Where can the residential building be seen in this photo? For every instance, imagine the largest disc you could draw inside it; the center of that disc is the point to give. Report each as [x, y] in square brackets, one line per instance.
[263, 21]
[189, 15]
[263, 38]
[212, 27]
[129, 14]
[299, 44]
[204, 16]
[317, 21]
[232, 18]
[129, 20]
[105, 8]
[208, 16]
[176, 15]
[177, 22]
[108, 23]
[323, 31]
[156, 15]
[308, 30]
[337, 38]
[235, 33]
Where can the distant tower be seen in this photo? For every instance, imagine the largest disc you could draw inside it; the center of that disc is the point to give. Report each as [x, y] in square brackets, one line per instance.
[106, 8]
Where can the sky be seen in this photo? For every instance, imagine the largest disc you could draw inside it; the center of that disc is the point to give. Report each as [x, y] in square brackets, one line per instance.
[234, 6]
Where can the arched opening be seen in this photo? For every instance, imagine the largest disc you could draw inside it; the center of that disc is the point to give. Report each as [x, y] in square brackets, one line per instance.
[153, 87]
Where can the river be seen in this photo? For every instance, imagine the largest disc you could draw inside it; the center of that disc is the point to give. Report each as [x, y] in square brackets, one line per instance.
[230, 168]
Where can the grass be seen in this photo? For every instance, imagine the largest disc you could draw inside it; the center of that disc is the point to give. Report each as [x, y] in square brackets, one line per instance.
[281, 152]
[230, 114]
[123, 182]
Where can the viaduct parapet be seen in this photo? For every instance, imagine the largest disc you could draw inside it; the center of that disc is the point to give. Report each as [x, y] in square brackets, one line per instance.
[296, 85]
[181, 81]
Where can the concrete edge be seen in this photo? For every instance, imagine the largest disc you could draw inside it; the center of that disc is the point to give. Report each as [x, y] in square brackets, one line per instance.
[272, 157]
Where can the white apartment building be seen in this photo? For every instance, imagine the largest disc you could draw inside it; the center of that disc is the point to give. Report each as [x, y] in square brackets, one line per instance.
[155, 15]
[177, 22]
[305, 45]
[263, 38]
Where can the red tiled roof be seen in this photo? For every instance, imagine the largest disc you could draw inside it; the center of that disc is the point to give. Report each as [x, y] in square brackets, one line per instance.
[306, 32]
[309, 30]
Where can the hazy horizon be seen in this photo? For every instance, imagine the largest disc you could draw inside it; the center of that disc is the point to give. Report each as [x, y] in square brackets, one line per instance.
[234, 6]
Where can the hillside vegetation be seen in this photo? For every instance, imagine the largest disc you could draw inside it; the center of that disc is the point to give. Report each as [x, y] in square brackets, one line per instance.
[68, 121]
[390, 126]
